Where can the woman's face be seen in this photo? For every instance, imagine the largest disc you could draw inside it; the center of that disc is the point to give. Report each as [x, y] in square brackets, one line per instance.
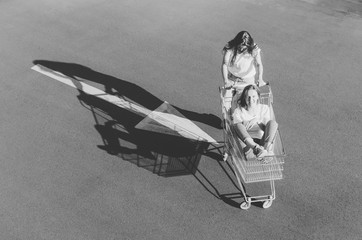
[252, 98]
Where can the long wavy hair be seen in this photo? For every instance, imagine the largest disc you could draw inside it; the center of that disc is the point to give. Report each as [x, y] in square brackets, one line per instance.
[242, 42]
[242, 101]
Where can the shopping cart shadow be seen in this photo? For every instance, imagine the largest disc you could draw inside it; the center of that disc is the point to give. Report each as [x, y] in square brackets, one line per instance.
[162, 154]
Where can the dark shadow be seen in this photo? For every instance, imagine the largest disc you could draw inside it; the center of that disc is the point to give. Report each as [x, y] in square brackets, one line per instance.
[123, 89]
[165, 155]
[162, 154]
[229, 199]
[206, 118]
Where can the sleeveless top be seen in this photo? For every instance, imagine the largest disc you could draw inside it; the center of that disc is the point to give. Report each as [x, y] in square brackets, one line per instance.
[244, 64]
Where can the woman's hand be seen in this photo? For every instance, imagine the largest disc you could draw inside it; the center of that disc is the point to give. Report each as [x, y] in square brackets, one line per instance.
[261, 83]
[229, 84]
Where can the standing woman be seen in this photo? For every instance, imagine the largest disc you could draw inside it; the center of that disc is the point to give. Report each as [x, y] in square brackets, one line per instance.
[242, 63]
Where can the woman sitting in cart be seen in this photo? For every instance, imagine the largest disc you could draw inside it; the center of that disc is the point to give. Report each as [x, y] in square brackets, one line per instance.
[254, 126]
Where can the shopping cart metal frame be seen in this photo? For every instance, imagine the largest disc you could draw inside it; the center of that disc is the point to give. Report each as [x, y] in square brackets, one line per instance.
[251, 170]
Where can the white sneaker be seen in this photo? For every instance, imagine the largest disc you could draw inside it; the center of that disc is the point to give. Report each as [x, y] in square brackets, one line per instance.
[260, 152]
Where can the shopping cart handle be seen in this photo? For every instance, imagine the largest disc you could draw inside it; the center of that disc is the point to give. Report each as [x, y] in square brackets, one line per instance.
[267, 83]
[225, 88]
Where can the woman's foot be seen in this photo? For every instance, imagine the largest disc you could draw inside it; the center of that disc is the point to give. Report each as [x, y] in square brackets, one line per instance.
[261, 83]
[259, 152]
[249, 155]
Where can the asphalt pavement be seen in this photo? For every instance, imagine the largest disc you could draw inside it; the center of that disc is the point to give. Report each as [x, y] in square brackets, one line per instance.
[73, 166]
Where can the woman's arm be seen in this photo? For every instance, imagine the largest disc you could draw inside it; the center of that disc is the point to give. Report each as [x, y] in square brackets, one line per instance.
[259, 65]
[224, 69]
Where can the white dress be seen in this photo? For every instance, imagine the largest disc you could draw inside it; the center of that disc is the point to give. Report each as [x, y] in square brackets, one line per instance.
[243, 66]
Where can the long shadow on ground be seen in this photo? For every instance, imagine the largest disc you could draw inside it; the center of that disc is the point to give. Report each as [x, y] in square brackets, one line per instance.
[117, 126]
[124, 89]
[162, 154]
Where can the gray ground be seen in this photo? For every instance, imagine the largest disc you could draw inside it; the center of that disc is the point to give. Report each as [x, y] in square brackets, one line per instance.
[57, 181]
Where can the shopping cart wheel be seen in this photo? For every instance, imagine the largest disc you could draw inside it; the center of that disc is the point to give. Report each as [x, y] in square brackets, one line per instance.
[267, 203]
[245, 205]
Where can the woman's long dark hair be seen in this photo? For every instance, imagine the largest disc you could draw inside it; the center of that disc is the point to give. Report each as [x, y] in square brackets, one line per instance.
[242, 101]
[242, 42]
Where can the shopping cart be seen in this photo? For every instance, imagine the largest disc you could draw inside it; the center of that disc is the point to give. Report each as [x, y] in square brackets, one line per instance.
[251, 170]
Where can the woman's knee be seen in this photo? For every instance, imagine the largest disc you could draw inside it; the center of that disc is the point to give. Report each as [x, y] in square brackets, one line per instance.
[272, 124]
[241, 131]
